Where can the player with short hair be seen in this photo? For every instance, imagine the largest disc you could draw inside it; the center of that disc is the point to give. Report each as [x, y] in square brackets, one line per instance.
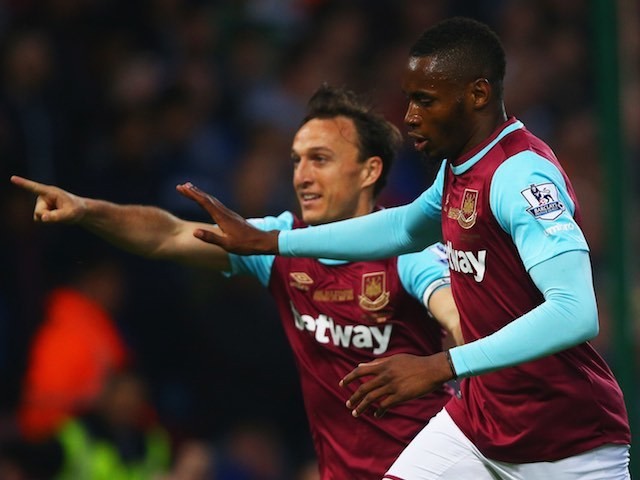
[537, 401]
[335, 314]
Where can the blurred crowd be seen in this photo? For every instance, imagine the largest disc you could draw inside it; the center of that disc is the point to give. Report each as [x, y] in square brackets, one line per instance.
[122, 100]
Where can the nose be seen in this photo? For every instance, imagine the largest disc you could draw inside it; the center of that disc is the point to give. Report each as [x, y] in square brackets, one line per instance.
[302, 173]
[411, 118]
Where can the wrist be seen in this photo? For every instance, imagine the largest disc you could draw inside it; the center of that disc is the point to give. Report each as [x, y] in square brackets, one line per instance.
[454, 374]
[85, 210]
[272, 242]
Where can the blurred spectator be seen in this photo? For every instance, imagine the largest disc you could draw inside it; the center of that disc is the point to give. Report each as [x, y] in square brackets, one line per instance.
[193, 460]
[22, 459]
[253, 450]
[262, 184]
[77, 346]
[308, 471]
[27, 103]
[118, 439]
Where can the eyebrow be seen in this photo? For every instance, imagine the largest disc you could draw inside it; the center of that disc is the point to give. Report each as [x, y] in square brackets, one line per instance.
[314, 150]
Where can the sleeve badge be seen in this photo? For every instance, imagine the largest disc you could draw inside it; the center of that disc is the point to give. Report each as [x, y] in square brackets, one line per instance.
[543, 201]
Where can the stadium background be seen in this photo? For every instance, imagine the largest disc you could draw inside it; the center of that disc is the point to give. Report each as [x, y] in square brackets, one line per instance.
[123, 100]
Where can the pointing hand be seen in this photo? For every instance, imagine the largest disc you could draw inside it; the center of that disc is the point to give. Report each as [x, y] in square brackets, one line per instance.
[53, 204]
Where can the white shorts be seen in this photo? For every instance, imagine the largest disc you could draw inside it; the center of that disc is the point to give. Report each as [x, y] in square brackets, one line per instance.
[441, 451]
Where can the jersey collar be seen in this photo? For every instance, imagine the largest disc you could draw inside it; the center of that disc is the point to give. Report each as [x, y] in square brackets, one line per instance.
[511, 125]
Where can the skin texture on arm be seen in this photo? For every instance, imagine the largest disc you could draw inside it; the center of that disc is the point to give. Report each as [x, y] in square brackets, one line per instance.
[443, 308]
[143, 230]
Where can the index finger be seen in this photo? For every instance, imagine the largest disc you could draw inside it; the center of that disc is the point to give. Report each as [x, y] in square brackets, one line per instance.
[34, 187]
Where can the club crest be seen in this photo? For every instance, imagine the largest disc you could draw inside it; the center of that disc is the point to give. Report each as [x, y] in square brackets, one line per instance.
[374, 295]
[468, 214]
[543, 201]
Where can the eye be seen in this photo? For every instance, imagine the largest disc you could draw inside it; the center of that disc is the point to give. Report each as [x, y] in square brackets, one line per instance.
[420, 100]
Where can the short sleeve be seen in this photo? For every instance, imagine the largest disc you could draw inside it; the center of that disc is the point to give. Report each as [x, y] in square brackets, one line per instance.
[422, 273]
[259, 266]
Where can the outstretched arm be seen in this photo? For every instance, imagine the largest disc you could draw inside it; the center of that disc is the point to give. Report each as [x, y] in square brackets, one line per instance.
[382, 234]
[143, 230]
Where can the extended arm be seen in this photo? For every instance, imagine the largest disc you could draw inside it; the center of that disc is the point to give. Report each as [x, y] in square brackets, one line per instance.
[385, 233]
[382, 234]
[143, 230]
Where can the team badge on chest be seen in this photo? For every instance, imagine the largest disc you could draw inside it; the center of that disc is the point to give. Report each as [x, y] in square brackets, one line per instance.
[467, 214]
[374, 294]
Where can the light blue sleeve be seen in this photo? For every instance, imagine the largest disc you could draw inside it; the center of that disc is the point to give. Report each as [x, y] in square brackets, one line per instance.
[530, 201]
[260, 265]
[569, 311]
[382, 234]
[422, 273]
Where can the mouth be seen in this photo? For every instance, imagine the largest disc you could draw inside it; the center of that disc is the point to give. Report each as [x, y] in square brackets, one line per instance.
[308, 199]
[419, 142]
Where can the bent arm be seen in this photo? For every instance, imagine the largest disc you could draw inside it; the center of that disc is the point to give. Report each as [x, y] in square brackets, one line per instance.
[444, 310]
[569, 311]
[382, 234]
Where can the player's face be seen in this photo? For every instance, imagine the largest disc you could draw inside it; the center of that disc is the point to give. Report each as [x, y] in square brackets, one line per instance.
[439, 115]
[328, 178]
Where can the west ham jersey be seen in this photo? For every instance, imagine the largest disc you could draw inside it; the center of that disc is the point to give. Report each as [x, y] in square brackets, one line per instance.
[507, 206]
[337, 315]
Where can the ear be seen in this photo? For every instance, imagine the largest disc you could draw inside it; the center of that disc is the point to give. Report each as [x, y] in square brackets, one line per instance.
[371, 171]
[481, 93]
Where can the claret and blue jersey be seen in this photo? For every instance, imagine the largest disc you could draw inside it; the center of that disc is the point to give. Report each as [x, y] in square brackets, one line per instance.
[521, 278]
[338, 314]
[506, 208]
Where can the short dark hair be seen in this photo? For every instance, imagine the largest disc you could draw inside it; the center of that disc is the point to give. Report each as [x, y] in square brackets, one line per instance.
[467, 46]
[377, 137]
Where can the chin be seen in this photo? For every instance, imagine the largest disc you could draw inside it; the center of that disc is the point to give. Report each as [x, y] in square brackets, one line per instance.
[311, 219]
[432, 157]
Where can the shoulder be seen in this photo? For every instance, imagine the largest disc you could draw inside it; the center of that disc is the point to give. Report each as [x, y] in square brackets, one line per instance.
[524, 166]
[284, 221]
